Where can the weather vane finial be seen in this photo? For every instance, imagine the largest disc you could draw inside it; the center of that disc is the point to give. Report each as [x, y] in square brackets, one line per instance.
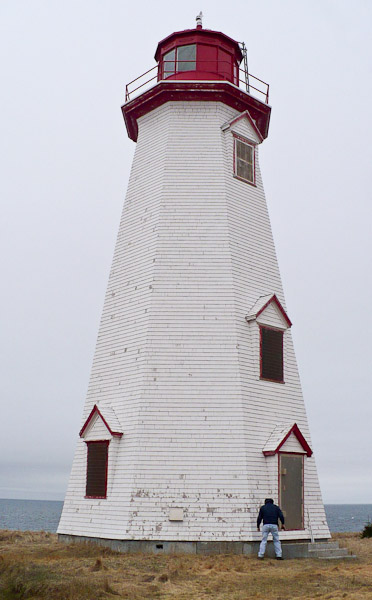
[199, 22]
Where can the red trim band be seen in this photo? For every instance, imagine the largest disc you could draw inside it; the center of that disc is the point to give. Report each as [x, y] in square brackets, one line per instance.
[195, 91]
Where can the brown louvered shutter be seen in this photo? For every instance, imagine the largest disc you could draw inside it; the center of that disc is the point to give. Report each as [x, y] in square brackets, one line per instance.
[97, 469]
[271, 354]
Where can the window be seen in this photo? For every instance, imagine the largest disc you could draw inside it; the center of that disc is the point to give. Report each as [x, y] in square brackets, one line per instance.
[169, 64]
[182, 58]
[271, 354]
[244, 161]
[97, 469]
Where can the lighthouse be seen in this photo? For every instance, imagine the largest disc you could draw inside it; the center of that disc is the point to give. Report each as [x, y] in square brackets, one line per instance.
[194, 412]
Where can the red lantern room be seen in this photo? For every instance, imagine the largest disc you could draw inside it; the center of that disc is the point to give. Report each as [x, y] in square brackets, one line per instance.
[199, 54]
[198, 65]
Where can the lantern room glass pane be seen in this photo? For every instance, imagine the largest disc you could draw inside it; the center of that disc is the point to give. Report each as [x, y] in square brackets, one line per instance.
[186, 58]
[169, 63]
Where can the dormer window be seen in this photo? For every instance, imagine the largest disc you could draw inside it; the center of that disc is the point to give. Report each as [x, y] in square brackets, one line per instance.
[244, 160]
[97, 460]
[99, 430]
[179, 59]
[270, 321]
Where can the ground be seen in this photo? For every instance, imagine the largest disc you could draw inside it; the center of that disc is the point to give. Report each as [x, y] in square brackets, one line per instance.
[34, 565]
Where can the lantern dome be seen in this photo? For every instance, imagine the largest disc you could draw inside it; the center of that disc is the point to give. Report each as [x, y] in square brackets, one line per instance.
[199, 54]
[198, 65]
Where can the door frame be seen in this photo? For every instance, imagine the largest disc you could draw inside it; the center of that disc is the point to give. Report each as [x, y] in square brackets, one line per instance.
[303, 486]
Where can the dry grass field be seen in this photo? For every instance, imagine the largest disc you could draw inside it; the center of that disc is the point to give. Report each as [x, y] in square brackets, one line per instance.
[35, 566]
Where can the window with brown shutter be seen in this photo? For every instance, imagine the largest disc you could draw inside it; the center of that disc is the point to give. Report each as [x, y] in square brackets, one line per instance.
[97, 458]
[272, 354]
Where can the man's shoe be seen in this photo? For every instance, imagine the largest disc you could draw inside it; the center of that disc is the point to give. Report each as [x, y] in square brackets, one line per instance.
[260, 557]
[279, 558]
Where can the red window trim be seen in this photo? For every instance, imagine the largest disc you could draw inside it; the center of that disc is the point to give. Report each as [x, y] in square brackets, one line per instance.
[303, 487]
[253, 146]
[107, 442]
[282, 381]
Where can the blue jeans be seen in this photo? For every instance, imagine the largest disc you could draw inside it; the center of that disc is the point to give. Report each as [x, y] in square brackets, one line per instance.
[273, 529]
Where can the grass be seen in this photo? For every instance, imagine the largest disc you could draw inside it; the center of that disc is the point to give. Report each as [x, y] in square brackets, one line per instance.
[34, 566]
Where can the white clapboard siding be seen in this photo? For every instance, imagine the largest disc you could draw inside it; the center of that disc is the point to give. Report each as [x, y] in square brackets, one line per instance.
[96, 430]
[292, 445]
[272, 317]
[176, 359]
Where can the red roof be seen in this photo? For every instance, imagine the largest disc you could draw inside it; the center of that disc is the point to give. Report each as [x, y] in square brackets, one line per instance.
[280, 441]
[95, 411]
[206, 33]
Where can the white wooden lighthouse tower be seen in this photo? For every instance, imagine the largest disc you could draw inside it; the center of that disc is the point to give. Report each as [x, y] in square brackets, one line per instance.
[194, 412]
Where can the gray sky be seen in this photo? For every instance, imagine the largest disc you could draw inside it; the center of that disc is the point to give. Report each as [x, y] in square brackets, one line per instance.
[65, 161]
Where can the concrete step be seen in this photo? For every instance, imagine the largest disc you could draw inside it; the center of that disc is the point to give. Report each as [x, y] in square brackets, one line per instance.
[328, 551]
[347, 557]
[321, 545]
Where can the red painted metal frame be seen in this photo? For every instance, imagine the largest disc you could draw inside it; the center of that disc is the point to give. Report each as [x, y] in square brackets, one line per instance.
[180, 75]
[194, 91]
[107, 442]
[253, 146]
[194, 74]
[303, 488]
[296, 431]
[272, 329]
[194, 36]
[95, 410]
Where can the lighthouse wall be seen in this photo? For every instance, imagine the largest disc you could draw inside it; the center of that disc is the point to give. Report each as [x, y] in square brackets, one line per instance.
[119, 362]
[196, 460]
[256, 273]
[175, 357]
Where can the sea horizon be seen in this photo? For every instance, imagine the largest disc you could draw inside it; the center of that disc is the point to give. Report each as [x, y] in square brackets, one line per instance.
[62, 500]
[25, 514]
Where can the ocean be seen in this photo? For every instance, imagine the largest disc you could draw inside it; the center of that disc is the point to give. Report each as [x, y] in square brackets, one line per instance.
[43, 515]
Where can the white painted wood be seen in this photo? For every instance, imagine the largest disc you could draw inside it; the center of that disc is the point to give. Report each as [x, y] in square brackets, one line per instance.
[272, 317]
[175, 357]
[96, 430]
[277, 436]
[258, 306]
[292, 445]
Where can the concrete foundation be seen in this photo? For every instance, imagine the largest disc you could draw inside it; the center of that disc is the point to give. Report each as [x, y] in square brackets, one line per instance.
[292, 549]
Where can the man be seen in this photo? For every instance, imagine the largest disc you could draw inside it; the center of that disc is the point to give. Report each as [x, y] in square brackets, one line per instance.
[269, 514]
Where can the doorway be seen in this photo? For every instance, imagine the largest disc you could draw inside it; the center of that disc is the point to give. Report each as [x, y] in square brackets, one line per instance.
[291, 482]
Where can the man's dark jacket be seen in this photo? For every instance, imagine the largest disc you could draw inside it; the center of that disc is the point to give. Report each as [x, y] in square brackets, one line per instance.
[269, 514]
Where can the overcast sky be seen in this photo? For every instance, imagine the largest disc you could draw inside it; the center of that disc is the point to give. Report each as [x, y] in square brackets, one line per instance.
[65, 161]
